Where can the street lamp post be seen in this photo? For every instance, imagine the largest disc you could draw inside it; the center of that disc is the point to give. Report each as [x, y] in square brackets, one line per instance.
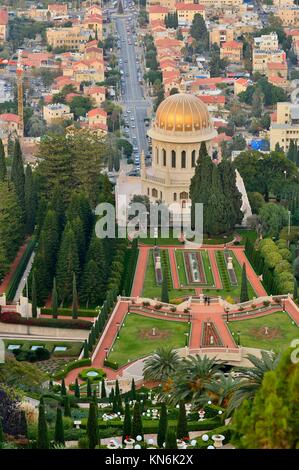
[238, 338]
[118, 328]
[106, 353]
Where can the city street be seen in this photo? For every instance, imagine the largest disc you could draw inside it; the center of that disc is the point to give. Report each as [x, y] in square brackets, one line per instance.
[134, 104]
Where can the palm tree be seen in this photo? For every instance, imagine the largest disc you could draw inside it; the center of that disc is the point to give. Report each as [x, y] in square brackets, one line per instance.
[221, 390]
[192, 377]
[162, 365]
[251, 377]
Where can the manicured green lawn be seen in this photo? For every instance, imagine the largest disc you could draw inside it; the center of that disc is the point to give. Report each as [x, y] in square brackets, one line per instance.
[134, 342]
[230, 291]
[152, 290]
[247, 234]
[179, 254]
[281, 331]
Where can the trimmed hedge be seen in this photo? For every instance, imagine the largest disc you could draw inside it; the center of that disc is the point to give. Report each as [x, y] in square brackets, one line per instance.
[83, 375]
[45, 322]
[61, 374]
[17, 275]
[111, 365]
[68, 312]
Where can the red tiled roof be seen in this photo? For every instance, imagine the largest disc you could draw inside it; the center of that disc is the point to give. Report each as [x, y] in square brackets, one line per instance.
[232, 45]
[95, 89]
[96, 111]
[212, 99]
[189, 7]
[222, 137]
[70, 96]
[277, 65]
[9, 117]
[157, 9]
[3, 17]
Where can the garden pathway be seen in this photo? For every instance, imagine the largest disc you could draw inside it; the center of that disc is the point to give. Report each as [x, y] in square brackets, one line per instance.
[251, 275]
[7, 279]
[173, 267]
[140, 271]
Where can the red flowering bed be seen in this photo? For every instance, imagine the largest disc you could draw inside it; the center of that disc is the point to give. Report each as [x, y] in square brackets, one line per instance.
[209, 330]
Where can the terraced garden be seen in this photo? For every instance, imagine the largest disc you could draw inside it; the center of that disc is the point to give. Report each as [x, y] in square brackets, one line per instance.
[229, 291]
[182, 269]
[136, 338]
[150, 287]
[272, 332]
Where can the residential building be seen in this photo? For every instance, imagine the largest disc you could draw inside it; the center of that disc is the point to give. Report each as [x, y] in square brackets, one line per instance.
[289, 15]
[10, 125]
[157, 12]
[220, 34]
[56, 113]
[186, 12]
[266, 50]
[57, 9]
[232, 51]
[96, 93]
[97, 120]
[3, 26]
[285, 126]
[71, 38]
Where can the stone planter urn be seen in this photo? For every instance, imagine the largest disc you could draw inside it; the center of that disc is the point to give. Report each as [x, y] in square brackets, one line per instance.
[181, 444]
[201, 415]
[218, 440]
[113, 445]
[155, 414]
[129, 443]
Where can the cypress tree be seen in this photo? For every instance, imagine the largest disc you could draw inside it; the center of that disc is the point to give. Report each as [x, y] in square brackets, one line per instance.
[67, 264]
[67, 407]
[295, 293]
[201, 182]
[23, 424]
[85, 350]
[63, 388]
[103, 389]
[215, 215]
[3, 170]
[33, 296]
[133, 390]
[117, 391]
[164, 289]
[92, 426]
[18, 175]
[88, 388]
[92, 285]
[2, 440]
[42, 428]
[50, 384]
[77, 388]
[30, 201]
[137, 428]
[244, 297]
[162, 429]
[170, 442]
[59, 430]
[231, 193]
[115, 404]
[182, 428]
[127, 426]
[54, 300]
[75, 299]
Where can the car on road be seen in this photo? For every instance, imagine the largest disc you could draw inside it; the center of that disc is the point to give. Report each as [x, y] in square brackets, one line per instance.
[133, 126]
[132, 118]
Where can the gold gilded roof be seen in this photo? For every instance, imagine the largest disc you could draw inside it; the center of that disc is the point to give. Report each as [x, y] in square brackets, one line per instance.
[182, 112]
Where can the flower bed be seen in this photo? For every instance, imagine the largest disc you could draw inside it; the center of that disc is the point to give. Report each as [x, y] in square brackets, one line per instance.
[231, 271]
[158, 271]
[209, 329]
[195, 269]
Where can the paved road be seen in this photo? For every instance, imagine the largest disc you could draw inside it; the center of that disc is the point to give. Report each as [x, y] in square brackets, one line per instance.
[133, 99]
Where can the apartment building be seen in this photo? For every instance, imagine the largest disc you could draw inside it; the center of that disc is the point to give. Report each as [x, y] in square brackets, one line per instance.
[56, 113]
[289, 15]
[71, 38]
[220, 34]
[3, 26]
[285, 126]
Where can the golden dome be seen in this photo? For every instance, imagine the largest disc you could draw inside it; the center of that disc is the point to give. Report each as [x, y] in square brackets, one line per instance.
[183, 112]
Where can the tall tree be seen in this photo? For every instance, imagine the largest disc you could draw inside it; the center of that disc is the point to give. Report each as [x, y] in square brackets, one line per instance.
[244, 297]
[67, 407]
[30, 201]
[137, 428]
[33, 296]
[92, 426]
[3, 170]
[75, 306]
[164, 290]
[77, 388]
[103, 389]
[42, 428]
[215, 213]
[182, 427]
[18, 175]
[10, 221]
[162, 429]
[67, 264]
[231, 194]
[54, 300]
[170, 442]
[127, 426]
[59, 430]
